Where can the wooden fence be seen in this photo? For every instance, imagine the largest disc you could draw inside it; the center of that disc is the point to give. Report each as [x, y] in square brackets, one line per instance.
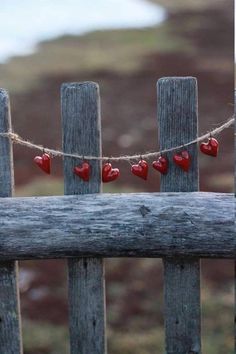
[179, 227]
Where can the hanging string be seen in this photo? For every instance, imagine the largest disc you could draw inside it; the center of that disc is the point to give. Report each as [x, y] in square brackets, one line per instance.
[16, 139]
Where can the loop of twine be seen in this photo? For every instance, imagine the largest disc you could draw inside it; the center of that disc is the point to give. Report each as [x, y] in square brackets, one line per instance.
[16, 139]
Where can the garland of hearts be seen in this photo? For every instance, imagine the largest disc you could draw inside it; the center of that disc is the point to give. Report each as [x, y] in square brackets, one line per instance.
[181, 159]
[109, 174]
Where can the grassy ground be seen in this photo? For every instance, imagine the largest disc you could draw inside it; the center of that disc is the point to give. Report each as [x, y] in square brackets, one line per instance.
[121, 50]
[139, 337]
[46, 187]
[117, 50]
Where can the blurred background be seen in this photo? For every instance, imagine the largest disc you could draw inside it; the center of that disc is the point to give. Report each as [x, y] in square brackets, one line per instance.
[125, 46]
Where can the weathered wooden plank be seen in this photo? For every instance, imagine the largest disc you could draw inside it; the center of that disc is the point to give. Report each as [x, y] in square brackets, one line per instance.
[118, 225]
[235, 241]
[82, 134]
[10, 332]
[178, 124]
[6, 170]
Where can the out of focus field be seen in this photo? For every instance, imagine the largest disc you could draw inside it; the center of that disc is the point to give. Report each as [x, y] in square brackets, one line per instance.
[196, 40]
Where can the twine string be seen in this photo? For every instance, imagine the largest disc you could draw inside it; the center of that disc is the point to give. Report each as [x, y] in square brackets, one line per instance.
[16, 139]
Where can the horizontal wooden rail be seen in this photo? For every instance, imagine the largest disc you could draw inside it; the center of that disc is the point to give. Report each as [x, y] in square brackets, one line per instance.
[118, 225]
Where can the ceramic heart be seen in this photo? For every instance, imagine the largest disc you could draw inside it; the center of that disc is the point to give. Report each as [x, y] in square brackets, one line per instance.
[210, 148]
[161, 165]
[141, 169]
[109, 174]
[182, 160]
[83, 171]
[44, 162]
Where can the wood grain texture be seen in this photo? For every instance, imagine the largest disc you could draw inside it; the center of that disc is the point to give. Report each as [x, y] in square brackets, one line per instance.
[10, 331]
[81, 123]
[178, 124]
[6, 159]
[235, 241]
[118, 225]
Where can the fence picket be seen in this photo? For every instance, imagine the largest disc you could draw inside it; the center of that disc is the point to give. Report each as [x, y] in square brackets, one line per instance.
[234, 223]
[81, 123]
[10, 329]
[178, 124]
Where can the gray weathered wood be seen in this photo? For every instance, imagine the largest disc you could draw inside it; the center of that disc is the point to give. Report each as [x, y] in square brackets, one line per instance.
[235, 246]
[118, 225]
[178, 124]
[10, 333]
[81, 123]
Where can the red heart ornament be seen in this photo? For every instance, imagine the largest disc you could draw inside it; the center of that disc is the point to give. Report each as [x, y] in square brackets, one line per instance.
[182, 160]
[44, 162]
[210, 148]
[161, 165]
[141, 169]
[109, 174]
[83, 171]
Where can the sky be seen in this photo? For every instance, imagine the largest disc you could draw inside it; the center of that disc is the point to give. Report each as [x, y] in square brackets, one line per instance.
[25, 23]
